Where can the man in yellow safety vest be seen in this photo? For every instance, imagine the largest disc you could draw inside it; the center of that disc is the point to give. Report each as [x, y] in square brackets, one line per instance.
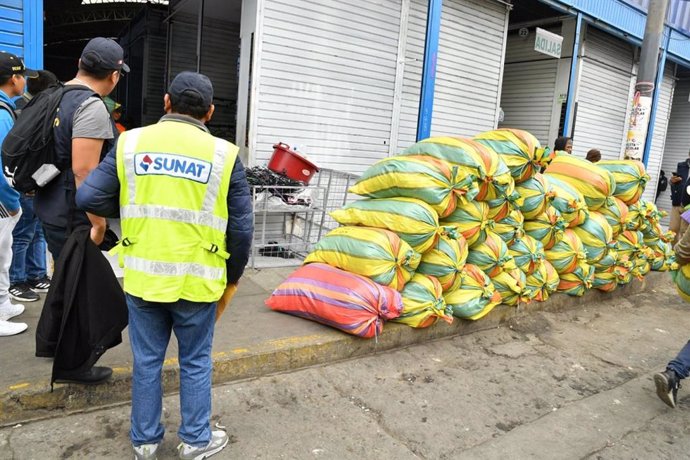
[186, 232]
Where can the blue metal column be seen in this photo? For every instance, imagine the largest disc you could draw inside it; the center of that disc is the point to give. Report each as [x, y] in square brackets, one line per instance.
[33, 33]
[655, 97]
[426, 98]
[571, 81]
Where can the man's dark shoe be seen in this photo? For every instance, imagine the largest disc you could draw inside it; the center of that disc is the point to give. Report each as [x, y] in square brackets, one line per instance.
[23, 293]
[40, 284]
[95, 375]
[667, 384]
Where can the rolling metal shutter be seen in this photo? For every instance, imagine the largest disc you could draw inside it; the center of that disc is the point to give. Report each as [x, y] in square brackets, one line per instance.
[12, 26]
[412, 79]
[470, 61]
[604, 95]
[656, 151]
[677, 137]
[529, 85]
[219, 60]
[327, 72]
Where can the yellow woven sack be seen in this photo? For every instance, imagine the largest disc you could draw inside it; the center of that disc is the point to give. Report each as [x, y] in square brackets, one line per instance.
[510, 227]
[594, 183]
[372, 252]
[502, 206]
[596, 235]
[510, 285]
[609, 259]
[635, 217]
[578, 281]
[445, 261]
[491, 256]
[492, 174]
[519, 149]
[476, 296]
[536, 196]
[623, 270]
[433, 181]
[567, 253]
[616, 213]
[547, 227]
[629, 244]
[641, 268]
[536, 284]
[605, 280]
[568, 201]
[552, 278]
[471, 220]
[412, 220]
[681, 278]
[630, 176]
[423, 303]
[528, 253]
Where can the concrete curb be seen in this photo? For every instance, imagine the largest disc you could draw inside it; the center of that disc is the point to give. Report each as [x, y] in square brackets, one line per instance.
[31, 401]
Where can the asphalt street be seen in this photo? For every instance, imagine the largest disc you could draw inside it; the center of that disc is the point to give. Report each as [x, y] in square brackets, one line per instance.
[571, 384]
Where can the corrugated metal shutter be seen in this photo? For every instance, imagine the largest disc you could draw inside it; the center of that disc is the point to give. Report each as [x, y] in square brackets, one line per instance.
[656, 151]
[470, 58]
[529, 85]
[677, 137]
[327, 77]
[154, 83]
[412, 78]
[603, 95]
[12, 26]
[219, 60]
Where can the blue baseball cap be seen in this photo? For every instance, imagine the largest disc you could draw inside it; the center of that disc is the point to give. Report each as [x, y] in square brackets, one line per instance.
[103, 54]
[193, 87]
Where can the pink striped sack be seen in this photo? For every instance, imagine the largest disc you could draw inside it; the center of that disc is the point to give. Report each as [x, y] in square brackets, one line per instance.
[336, 298]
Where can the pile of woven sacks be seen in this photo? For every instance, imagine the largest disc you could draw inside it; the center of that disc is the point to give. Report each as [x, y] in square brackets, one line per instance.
[457, 226]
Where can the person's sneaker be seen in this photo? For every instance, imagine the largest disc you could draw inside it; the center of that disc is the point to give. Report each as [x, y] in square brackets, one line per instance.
[23, 293]
[667, 385]
[7, 328]
[40, 285]
[219, 439]
[9, 310]
[145, 452]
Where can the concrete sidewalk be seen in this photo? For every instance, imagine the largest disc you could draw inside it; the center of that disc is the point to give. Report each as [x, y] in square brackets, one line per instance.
[250, 341]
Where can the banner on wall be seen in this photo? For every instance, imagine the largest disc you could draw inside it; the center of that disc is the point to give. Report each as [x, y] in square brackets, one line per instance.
[637, 128]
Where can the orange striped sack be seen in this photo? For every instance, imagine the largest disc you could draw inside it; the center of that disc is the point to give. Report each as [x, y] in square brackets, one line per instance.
[336, 298]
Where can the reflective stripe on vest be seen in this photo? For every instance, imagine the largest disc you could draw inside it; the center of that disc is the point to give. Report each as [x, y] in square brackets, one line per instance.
[203, 217]
[158, 268]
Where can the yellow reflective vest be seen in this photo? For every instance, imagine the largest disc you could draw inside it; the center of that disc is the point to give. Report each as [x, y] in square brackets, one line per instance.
[174, 181]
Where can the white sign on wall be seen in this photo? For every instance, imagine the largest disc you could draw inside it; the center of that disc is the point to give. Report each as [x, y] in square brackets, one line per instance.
[548, 43]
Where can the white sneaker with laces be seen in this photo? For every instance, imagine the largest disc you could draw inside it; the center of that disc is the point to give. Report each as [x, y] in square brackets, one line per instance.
[7, 328]
[219, 439]
[9, 310]
[145, 452]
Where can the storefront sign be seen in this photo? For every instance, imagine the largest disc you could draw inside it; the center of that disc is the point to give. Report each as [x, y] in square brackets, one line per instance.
[548, 43]
[637, 132]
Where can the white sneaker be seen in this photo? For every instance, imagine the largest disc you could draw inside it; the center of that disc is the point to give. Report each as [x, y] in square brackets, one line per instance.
[145, 452]
[9, 310]
[7, 328]
[219, 439]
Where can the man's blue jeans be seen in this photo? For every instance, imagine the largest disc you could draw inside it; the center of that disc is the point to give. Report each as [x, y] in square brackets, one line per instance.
[681, 364]
[150, 324]
[28, 246]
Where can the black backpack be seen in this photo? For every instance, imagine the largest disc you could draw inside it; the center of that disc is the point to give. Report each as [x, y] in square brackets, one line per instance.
[28, 156]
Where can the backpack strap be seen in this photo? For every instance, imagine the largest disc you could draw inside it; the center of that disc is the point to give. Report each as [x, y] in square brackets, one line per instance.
[6, 106]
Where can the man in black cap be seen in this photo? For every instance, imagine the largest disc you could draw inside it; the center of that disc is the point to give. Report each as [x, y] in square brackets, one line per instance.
[83, 135]
[187, 228]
